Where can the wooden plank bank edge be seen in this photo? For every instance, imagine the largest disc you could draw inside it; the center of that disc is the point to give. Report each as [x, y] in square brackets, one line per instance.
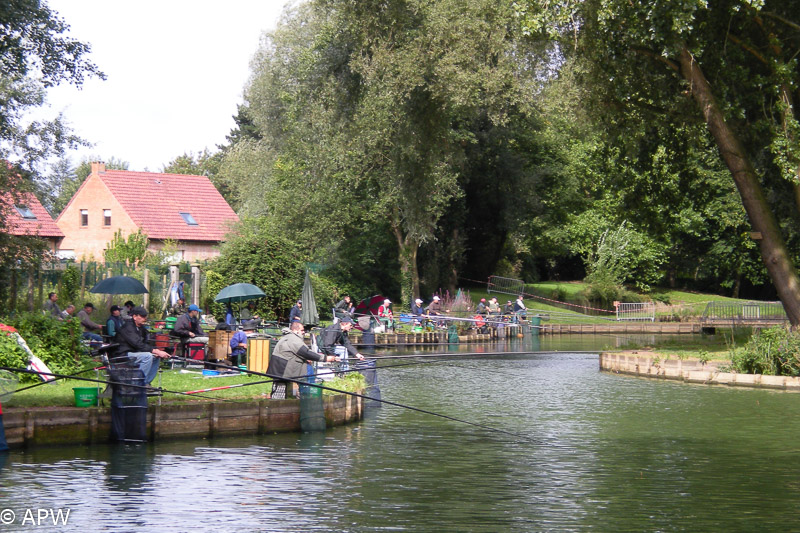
[48, 426]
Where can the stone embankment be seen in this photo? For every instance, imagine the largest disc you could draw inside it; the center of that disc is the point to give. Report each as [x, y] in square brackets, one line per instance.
[651, 365]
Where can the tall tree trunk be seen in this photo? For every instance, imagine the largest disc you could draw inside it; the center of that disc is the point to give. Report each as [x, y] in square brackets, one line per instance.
[409, 273]
[772, 246]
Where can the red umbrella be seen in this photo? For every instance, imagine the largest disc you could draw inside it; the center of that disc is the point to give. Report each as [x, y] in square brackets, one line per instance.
[369, 306]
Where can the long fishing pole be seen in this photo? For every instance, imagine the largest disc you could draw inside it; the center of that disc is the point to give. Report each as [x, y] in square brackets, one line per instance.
[54, 380]
[403, 406]
[478, 354]
[106, 382]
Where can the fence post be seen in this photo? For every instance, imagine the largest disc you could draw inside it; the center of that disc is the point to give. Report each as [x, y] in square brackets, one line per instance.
[195, 284]
[30, 289]
[83, 279]
[13, 306]
[146, 296]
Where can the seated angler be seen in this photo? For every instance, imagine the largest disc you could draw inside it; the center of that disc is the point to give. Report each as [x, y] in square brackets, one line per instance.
[134, 347]
[51, 307]
[296, 314]
[344, 307]
[179, 308]
[89, 326]
[114, 322]
[385, 314]
[248, 316]
[238, 344]
[187, 327]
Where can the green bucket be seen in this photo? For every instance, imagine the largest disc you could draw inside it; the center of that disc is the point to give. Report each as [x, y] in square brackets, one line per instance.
[169, 322]
[85, 396]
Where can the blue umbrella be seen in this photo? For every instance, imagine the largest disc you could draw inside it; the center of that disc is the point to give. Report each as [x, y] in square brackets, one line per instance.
[239, 292]
[119, 285]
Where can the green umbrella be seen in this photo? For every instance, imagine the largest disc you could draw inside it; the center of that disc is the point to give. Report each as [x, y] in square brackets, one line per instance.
[310, 317]
[239, 292]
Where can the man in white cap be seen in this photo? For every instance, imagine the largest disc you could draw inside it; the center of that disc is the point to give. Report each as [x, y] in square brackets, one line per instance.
[416, 307]
[385, 314]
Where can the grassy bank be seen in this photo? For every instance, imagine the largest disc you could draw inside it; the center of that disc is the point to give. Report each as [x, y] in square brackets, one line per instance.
[60, 393]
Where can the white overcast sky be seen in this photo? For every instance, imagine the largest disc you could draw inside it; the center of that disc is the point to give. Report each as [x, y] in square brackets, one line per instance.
[176, 71]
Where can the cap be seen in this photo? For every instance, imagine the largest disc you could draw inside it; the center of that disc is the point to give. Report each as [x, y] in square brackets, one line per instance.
[387, 301]
[418, 301]
[115, 308]
[346, 320]
[139, 311]
[300, 301]
[483, 299]
[436, 298]
[193, 307]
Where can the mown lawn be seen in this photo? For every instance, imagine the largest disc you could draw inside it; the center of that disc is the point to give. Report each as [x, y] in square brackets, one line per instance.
[60, 393]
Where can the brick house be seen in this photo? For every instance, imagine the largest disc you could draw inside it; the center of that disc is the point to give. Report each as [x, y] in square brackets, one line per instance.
[25, 215]
[180, 207]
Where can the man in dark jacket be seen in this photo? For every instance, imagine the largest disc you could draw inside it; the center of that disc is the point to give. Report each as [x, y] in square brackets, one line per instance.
[334, 340]
[296, 313]
[187, 327]
[134, 347]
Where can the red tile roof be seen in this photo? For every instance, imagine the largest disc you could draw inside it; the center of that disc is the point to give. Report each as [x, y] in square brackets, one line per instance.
[43, 225]
[154, 203]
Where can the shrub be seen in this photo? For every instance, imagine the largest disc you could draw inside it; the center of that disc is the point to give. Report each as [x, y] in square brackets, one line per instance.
[774, 351]
[57, 343]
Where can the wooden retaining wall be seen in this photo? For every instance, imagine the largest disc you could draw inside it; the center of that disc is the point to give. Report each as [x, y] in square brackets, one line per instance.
[691, 371]
[39, 426]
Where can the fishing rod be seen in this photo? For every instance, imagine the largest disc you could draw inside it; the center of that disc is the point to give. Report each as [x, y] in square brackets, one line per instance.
[478, 354]
[106, 382]
[387, 402]
[53, 380]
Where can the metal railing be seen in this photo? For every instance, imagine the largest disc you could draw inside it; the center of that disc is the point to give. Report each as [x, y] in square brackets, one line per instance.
[501, 285]
[744, 312]
[636, 311]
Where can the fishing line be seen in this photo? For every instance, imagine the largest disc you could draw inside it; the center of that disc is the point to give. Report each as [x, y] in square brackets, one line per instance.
[106, 382]
[54, 380]
[403, 406]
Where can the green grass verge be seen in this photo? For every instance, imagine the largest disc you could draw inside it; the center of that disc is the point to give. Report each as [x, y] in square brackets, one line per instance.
[60, 393]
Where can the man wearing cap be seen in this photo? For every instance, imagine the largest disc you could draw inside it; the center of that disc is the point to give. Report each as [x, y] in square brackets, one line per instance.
[239, 343]
[296, 314]
[114, 322]
[385, 314]
[482, 309]
[134, 347]
[519, 308]
[416, 307]
[187, 327]
[334, 340]
[89, 327]
[290, 359]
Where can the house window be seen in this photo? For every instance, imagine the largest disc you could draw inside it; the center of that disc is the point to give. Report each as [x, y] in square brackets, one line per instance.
[106, 217]
[84, 217]
[189, 219]
[25, 212]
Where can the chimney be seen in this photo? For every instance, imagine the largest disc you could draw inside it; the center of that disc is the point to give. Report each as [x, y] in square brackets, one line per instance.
[98, 167]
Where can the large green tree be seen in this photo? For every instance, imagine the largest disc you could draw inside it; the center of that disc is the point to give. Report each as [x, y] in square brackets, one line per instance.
[731, 64]
[368, 109]
[35, 53]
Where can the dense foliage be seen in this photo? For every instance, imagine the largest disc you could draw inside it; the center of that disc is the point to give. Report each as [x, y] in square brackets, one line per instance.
[774, 352]
[57, 343]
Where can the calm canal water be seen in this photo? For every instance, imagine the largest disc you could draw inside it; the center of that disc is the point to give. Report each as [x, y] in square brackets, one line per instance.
[595, 451]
